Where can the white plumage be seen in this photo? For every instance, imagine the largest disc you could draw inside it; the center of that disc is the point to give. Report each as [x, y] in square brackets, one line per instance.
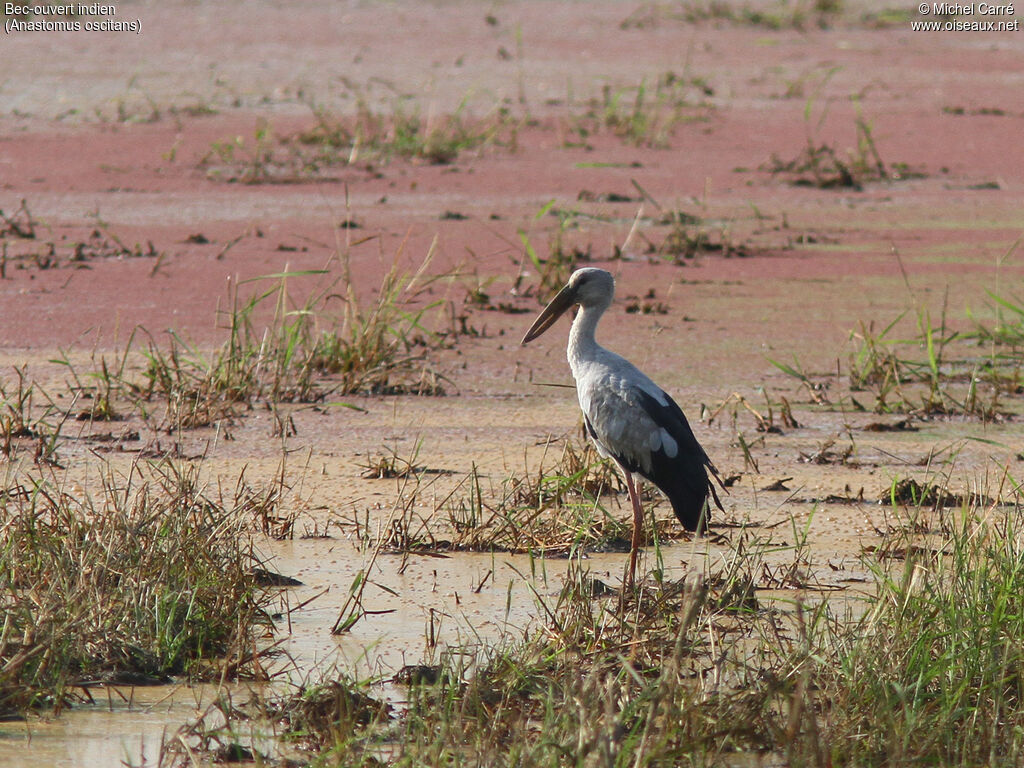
[629, 418]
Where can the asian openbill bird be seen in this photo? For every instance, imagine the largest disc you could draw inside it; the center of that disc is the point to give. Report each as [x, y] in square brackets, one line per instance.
[629, 417]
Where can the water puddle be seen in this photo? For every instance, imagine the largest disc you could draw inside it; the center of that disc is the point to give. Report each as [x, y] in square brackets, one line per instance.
[123, 727]
[412, 614]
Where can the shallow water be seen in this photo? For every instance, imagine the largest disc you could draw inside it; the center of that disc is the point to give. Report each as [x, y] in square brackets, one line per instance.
[796, 304]
[415, 614]
[457, 601]
[110, 732]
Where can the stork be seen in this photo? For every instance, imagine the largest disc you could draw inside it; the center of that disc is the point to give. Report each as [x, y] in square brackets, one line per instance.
[630, 418]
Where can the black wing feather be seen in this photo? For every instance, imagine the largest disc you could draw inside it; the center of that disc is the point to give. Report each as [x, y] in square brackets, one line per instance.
[683, 478]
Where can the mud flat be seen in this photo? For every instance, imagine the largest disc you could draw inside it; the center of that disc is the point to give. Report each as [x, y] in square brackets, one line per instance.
[272, 264]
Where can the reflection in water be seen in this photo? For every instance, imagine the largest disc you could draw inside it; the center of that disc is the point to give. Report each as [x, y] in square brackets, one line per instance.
[462, 601]
[110, 732]
[458, 601]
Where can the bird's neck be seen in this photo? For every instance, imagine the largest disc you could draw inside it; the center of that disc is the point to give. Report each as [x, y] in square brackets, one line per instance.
[582, 344]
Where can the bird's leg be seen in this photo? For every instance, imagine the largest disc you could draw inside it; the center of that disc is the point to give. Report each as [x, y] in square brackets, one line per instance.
[638, 524]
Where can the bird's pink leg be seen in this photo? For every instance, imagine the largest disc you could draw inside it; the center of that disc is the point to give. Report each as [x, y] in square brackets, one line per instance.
[638, 525]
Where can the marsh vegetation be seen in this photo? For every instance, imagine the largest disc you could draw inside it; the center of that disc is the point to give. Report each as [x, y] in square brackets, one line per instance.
[354, 526]
[151, 573]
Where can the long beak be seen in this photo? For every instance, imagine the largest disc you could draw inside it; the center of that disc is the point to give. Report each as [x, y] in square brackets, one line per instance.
[557, 307]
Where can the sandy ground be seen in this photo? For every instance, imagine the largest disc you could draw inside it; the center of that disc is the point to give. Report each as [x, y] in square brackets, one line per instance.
[109, 131]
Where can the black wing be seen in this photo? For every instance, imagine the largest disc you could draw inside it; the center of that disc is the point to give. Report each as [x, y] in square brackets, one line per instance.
[683, 478]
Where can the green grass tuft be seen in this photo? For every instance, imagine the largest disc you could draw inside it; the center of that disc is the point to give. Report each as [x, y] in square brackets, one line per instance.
[145, 578]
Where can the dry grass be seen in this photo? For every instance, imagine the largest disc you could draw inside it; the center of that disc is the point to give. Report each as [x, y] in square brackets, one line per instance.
[644, 115]
[738, 661]
[557, 507]
[278, 349]
[931, 365]
[367, 136]
[147, 577]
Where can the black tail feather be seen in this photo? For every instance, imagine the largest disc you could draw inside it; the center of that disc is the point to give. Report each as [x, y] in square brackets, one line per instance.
[690, 490]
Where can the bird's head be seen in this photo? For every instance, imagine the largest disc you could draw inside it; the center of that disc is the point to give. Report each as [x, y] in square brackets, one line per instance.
[588, 287]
